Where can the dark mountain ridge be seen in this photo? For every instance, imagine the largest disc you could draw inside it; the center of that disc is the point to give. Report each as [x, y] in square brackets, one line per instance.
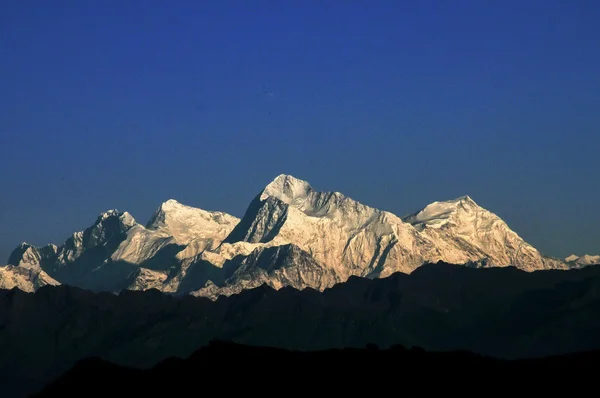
[500, 312]
[407, 372]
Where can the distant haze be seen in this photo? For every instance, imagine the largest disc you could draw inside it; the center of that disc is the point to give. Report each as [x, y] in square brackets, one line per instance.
[396, 105]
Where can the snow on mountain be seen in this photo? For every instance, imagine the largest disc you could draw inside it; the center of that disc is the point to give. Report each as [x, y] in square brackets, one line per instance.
[31, 257]
[24, 278]
[141, 244]
[345, 235]
[588, 260]
[583, 260]
[86, 258]
[144, 279]
[290, 235]
[116, 252]
[465, 232]
[571, 258]
[277, 267]
[191, 226]
[186, 230]
[348, 238]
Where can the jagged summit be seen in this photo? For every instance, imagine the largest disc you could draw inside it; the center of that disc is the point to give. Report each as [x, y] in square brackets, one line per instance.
[437, 214]
[186, 223]
[26, 245]
[173, 205]
[108, 224]
[109, 213]
[288, 206]
[175, 209]
[287, 188]
[300, 195]
[124, 217]
[31, 257]
[463, 199]
[171, 202]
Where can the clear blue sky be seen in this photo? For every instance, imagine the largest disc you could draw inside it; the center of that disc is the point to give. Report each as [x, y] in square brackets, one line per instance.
[125, 104]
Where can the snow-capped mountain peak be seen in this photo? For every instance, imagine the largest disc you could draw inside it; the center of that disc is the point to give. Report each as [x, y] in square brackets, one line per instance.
[466, 232]
[584, 260]
[26, 279]
[31, 257]
[437, 214]
[171, 202]
[115, 218]
[300, 195]
[185, 223]
[124, 217]
[287, 189]
[108, 227]
[107, 214]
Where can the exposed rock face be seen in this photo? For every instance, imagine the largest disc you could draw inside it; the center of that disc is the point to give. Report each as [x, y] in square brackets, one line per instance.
[26, 279]
[31, 257]
[275, 266]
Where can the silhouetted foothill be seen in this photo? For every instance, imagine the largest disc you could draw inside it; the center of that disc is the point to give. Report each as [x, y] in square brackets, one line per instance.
[271, 372]
[372, 347]
[501, 312]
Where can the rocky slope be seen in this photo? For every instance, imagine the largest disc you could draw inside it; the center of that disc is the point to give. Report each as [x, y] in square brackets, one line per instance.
[290, 235]
[26, 279]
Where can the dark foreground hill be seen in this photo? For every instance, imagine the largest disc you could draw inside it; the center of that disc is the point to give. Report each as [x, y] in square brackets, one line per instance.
[500, 312]
[227, 368]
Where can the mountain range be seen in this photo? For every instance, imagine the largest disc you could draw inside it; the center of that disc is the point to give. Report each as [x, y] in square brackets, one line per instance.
[290, 235]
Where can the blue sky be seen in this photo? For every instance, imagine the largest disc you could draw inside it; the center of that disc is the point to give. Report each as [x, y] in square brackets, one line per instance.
[396, 104]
